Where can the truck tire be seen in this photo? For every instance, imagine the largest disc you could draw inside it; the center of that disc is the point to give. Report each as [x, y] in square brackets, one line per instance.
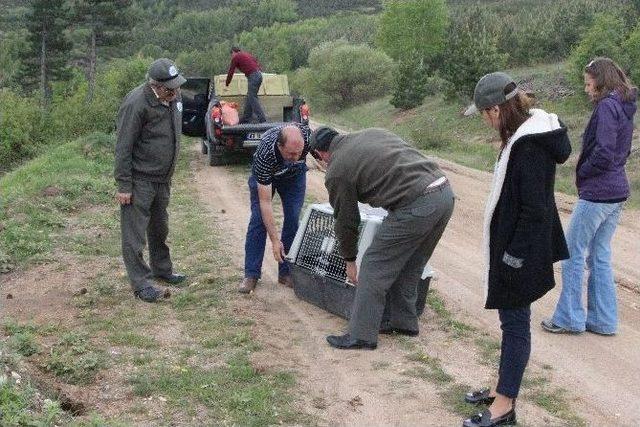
[203, 146]
[217, 155]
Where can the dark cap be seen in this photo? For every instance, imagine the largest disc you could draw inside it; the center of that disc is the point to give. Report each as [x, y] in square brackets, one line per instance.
[490, 91]
[320, 138]
[165, 72]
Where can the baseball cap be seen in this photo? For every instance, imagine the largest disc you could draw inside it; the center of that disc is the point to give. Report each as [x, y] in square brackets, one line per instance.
[490, 91]
[320, 138]
[165, 72]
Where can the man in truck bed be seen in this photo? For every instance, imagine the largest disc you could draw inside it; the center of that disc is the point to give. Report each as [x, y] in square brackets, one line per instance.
[250, 66]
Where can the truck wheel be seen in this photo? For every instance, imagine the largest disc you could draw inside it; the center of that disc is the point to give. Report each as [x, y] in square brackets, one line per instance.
[203, 146]
[217, 157]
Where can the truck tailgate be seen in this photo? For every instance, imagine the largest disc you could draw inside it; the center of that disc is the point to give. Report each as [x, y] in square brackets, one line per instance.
[245, 128]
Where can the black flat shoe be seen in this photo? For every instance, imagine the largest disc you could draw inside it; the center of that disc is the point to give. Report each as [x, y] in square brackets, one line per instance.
[479, 397]
[148, 294]
[173, 278]
[345, 342]
[388, 330]
[484, 419]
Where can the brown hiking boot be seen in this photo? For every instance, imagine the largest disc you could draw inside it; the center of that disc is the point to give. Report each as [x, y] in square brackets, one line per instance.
[286, 280]
[248, 285]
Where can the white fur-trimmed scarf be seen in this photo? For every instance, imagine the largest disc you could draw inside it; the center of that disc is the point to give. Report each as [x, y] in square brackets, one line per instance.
[539, 122]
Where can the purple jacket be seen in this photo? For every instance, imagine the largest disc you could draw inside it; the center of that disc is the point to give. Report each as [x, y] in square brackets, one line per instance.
[606, 145]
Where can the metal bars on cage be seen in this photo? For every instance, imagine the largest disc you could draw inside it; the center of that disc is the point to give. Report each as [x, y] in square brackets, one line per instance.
[319, 250]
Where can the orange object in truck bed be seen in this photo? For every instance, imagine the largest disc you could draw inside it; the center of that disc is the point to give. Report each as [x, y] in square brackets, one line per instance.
[230, 115]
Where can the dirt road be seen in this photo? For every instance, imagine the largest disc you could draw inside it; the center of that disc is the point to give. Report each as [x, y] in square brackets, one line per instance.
[600, 374]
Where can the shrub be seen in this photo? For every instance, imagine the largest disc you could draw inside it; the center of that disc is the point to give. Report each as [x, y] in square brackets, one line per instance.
[11, 45]
[206, 62]
[71, 116]
[20, 124]
[74, 359]
[632, 61]
[531, 32]
[604, 38]
[412, 28]
[285, 47]
[198, 29]
[268, 12]
[470, 55]
[342, 74]
[24, 343]
[410, 85]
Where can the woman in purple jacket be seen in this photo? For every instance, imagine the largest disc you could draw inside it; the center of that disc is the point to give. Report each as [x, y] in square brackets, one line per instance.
[602, 189]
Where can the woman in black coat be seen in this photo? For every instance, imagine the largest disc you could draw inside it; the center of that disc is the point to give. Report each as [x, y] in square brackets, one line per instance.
[522, 231]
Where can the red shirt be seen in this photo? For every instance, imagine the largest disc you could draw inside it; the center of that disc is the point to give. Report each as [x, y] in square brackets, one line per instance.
[244, 62]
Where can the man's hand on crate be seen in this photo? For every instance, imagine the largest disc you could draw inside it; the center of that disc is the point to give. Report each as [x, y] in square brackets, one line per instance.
[352, 272]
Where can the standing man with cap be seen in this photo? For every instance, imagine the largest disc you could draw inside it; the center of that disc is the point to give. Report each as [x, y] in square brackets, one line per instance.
[148, 142]
[377, 167]
[278, 165]
[250, 66]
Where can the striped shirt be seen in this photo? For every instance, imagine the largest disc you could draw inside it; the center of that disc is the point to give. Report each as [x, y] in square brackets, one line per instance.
[268, 163]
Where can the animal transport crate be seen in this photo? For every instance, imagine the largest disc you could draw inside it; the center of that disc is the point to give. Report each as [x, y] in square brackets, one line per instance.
[319, 271]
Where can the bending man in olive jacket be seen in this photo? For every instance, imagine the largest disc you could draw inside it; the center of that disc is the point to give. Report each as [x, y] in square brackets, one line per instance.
[375, 166]
[148, 142]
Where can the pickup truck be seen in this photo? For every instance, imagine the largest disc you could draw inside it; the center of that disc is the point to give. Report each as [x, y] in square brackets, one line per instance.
[226, 144]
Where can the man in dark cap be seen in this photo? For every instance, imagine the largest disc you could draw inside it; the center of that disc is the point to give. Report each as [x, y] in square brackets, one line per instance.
[251, 68]
[148, 142]
[377, 167]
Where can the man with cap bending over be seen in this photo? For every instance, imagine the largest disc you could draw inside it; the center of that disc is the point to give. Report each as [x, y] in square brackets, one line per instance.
[148, 142]
[278, 165]
[377, 167]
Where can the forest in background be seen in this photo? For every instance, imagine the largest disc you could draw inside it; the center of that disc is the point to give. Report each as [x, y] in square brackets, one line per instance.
[66, 64]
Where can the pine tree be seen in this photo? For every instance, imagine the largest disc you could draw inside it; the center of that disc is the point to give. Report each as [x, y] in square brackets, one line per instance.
[46, 58]
[105, 23]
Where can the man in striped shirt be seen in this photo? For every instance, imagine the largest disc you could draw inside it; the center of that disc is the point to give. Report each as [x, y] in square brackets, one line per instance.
[278, 165]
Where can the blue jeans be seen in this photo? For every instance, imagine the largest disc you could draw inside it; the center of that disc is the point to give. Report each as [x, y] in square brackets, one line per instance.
[291, 191]
[589, 241]
[252, 104]
[516, 349]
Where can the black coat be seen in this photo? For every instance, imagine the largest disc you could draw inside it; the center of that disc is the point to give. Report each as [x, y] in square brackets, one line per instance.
[525, 222]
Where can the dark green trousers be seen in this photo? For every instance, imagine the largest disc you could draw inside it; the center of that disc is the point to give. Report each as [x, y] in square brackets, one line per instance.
[146, 218]
[394, 263]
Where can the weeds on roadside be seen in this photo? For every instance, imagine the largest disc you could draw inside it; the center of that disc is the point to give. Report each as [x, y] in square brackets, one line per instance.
[74, 359]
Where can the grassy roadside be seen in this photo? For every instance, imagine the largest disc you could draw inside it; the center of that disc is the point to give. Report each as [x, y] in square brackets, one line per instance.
[185, 360]
[537, 389]
[438, 127]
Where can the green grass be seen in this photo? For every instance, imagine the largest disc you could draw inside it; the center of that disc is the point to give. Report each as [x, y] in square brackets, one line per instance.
[34, 223]
[235, 391]
[24, 343]
[132, 339]
[20, 406]
[439, 129]
[21, 337]
[447, 320]
[75, 359]
[431, 368]
[452, 396]
[204, 368]
[489, 353]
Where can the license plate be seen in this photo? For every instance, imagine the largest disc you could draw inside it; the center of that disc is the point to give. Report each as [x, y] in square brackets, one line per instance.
[254, 135]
